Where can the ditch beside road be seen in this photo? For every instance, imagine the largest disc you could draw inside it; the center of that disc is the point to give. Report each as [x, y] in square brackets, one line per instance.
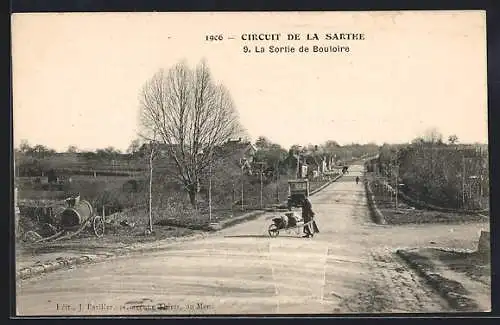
[461, 276]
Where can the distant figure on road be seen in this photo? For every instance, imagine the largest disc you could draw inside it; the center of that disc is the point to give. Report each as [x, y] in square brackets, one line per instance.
[357, 179]
[307, 216]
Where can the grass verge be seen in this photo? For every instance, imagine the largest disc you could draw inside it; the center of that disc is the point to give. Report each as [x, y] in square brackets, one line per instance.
[429, 266]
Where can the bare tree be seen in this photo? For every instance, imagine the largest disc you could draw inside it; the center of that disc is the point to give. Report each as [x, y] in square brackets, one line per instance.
[191, 116]
[262, 143]
[432, 135]
[24, 146]
[452, 139]
[72, 149]
[134, 146]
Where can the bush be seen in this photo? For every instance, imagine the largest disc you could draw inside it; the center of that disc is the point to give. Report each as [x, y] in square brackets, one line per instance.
[434, 173]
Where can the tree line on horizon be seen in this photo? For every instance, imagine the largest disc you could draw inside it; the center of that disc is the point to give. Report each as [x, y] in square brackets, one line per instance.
[190, 114]
[445, 174]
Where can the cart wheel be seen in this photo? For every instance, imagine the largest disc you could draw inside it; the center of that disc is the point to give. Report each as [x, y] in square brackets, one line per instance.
[98, 225]
[273, 230]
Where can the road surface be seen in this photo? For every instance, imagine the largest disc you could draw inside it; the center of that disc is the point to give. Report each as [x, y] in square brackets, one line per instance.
[347, 268]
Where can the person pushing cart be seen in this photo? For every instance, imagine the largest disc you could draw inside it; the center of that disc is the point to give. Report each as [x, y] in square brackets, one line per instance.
[310, 227]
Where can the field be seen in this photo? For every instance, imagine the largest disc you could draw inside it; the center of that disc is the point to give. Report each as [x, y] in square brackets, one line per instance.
[124, 200]
[77, 164]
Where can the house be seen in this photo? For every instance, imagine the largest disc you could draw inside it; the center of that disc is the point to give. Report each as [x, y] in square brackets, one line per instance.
[237, 152]
[314, 165]
[239, 149]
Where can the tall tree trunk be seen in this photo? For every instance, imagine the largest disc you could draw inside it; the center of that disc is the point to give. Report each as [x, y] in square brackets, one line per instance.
[192, 196]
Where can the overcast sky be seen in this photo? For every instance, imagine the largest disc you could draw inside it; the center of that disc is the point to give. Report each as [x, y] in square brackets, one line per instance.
[77, 77]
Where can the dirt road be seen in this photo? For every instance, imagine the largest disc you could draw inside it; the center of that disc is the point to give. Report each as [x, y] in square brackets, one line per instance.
[348, 268]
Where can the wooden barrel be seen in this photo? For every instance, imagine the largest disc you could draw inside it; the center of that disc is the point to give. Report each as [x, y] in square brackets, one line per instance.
[73, 217]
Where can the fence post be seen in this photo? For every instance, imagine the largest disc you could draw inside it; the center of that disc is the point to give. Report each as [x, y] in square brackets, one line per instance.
[242, 188]
[151, 188]
[233, 199]
[210, 190]
[463, 181]
[277, 185]
[397, 186]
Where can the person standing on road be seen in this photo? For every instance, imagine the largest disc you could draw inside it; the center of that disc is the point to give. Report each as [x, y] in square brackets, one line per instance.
[357, 179]
[307, 216]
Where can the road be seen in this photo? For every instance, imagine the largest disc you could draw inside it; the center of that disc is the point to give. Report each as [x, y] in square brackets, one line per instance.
[347, 268]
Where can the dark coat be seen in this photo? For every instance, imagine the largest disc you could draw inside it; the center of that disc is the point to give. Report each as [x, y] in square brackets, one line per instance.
[308, 214]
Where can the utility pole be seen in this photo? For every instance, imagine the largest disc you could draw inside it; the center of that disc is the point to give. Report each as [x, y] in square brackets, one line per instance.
[261, 187]
[242, 185]
[233, 200]
[261, 164]
[480, 189]
[397, 186]
[210, 187]
[463, 181]
[150, 187]
[277, 183]
[297, 157]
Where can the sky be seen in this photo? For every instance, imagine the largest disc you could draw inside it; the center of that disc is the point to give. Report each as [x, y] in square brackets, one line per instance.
[77, 76]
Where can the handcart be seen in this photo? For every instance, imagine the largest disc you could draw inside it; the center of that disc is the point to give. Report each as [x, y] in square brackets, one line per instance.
[288, 222]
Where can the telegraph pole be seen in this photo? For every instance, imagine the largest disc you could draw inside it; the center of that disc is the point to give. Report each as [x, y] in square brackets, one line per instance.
[463, 181]
[242, 179]
[233, 200]
[210, 187]
[297, 157]
[397, 177]
[277, 183]
[150, 187]
[397, 186]
[261, 185]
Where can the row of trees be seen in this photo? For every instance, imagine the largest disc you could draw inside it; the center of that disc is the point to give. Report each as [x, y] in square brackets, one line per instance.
[191, 115]
[443, 174]
[41, 151]
[187, 114]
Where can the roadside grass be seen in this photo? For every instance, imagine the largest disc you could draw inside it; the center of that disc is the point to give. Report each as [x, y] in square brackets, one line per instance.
[425, 262]
[473, 264]
[115, 237]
